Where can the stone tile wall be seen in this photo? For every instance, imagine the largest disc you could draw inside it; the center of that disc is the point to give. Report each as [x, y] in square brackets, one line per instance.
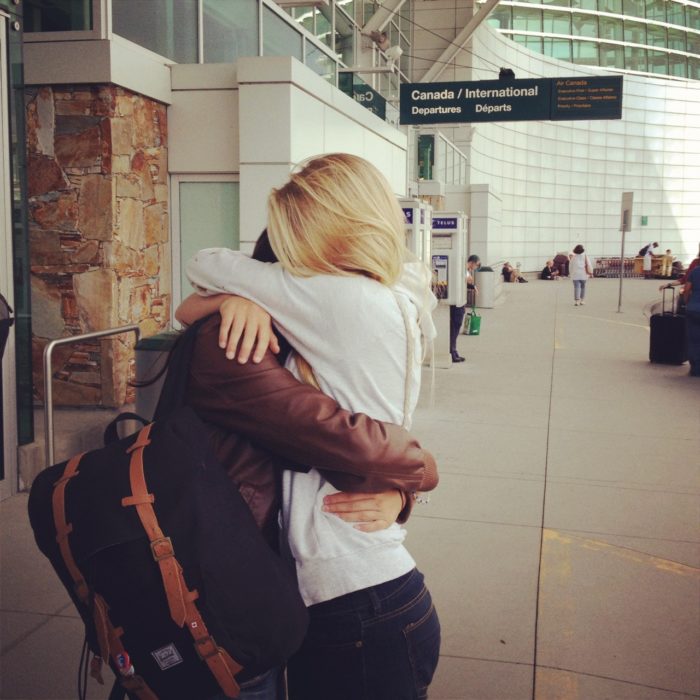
[98, 224]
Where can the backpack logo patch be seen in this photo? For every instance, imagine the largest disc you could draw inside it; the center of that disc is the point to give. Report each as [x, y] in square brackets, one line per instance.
[167, 657]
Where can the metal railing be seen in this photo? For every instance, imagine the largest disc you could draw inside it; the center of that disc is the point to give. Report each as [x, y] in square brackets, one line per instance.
[48, 389]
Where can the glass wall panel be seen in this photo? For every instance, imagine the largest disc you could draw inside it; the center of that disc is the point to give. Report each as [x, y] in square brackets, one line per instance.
[280, 38]
[165, 27]
[635, 32]
[556, 22]
[675, 13]
[585, 4]
[614, 6]
[345, 39]
[694, 68]
[677, 65]
[635, 59]
[612, 56]
[534, 43]
[676, 39]
[565, 3]
[347, 6]
[57, 16]
[558, 48]
[611, 29]
[209, 218]
[324, 22]
[305, 16]
[658, 62]
[527, 20]
[585, 25]
[633, 8]
[320, 62]
[501, 17]
[230, 30]
[656, 36]
[693, 15]
[693, 43]
[656, 9]
[585, 52]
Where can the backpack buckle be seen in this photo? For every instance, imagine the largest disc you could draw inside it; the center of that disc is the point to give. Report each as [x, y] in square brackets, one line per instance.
[162, 548]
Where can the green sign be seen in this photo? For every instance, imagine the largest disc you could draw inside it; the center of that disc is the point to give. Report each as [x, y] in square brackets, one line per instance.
[588, 97]
[645, 221]
[361, 92]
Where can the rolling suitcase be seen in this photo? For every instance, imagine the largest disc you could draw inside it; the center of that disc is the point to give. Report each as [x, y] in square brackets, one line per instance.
[667, 342]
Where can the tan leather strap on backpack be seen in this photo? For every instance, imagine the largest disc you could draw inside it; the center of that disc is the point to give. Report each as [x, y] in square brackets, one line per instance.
[108, 636]
[180, 599]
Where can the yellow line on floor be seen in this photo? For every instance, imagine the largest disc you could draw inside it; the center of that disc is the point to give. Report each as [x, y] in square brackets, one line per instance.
[554, 537]
[617, 323]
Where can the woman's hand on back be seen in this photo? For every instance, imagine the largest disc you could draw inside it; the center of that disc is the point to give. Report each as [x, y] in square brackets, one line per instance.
[243, 320]
[371, 511]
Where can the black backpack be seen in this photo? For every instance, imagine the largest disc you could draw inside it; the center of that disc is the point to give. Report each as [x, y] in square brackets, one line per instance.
[176, 586]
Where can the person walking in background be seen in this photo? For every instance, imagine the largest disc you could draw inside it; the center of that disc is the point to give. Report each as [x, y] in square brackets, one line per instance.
[579, 270]
[457, 312]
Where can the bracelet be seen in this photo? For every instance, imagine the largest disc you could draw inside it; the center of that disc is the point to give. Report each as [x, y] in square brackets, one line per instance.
[420, 497]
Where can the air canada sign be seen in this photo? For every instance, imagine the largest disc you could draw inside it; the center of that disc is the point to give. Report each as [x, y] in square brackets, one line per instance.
[593, 97]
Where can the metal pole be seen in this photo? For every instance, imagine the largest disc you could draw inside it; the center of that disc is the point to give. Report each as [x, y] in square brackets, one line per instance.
[48, 389]
[622, 270]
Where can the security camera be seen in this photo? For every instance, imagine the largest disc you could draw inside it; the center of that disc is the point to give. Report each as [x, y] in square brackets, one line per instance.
[393, 53]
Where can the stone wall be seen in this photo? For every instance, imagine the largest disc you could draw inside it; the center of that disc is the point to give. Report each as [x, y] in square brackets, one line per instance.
[98, 224]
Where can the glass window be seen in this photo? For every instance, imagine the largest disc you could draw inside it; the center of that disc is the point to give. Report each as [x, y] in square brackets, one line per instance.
[345, 39]
[635, 32]
[611, 29]
[585, 25]
[347, 6]
[209, 218]
[675, 13]
[693, 14]
[614, 6]
[534, 43]
[585, 4]
[677, 65]
[633, 8]
[585, 52]
[323, 25]
[693, 68]
[612, 56]
[656, 36]
[501, 17]
[658, 62]
[280, 38]
[527, 20]
[58, 16]
[305, 16]
[230, 30]
[635, 59]
[556, 22]
[656, 9]
[693, 43]
[320, 62]
[565, 3]
[558, 48]
[676, 39]
[165, 27]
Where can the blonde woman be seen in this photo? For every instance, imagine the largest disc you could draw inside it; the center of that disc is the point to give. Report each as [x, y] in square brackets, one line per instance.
[355, 311]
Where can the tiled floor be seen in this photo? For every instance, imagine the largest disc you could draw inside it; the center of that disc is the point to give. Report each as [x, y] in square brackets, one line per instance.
[562, 546]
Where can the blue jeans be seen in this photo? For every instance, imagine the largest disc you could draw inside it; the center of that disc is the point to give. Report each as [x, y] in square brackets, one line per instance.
[692, 329]
[579, 289]
[268, 686]
[380, 643]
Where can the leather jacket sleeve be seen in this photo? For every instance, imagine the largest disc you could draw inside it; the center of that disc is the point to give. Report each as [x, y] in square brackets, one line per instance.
[268, 406]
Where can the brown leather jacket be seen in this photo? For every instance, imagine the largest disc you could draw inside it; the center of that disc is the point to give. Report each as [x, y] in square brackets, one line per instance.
[263, 421]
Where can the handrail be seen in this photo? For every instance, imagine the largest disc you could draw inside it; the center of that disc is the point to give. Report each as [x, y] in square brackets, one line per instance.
[48, 389]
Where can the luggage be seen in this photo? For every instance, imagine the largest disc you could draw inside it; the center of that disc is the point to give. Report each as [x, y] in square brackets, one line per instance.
[159, 552]
[667, 343]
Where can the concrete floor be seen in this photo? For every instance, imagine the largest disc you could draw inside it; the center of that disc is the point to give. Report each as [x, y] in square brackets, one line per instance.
[562, 546]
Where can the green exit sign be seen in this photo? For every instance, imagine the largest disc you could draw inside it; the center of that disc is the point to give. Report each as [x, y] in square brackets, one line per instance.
[645, 220]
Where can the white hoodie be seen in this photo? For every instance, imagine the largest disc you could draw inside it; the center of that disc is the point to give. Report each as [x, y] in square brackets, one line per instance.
[363, 341]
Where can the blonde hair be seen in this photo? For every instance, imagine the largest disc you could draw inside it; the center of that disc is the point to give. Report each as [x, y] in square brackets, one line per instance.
[338, 216]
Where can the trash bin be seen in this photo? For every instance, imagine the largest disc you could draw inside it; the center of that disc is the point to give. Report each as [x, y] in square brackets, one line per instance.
[151, 356]
[485, 280]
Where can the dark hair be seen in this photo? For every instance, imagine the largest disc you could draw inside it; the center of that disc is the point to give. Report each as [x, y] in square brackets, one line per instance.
[578, 249]
[473, 258]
